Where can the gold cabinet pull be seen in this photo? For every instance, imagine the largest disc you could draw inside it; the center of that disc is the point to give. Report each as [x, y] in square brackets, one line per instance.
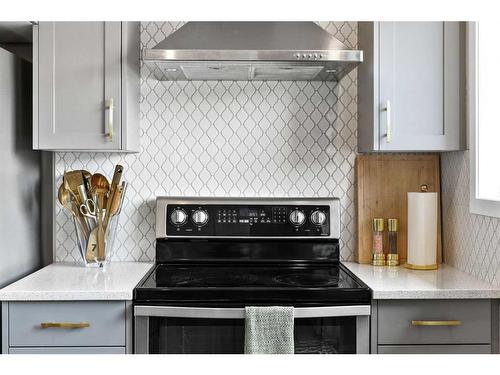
[436, 323]
[64, 325]
[389, 127]
[110, 106]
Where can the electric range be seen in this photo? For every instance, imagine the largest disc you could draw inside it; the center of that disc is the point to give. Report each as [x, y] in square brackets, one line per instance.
[214, 256]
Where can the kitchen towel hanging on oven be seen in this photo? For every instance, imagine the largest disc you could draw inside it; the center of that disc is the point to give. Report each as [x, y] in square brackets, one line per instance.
[269, 330]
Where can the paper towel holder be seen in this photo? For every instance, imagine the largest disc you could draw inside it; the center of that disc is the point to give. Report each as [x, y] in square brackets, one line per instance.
[424, 189]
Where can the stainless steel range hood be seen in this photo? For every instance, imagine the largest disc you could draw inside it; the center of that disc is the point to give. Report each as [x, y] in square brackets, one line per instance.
[256, 51]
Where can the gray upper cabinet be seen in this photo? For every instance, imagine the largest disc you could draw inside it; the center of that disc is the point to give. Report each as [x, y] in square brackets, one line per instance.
[411, 86]
[86, 86]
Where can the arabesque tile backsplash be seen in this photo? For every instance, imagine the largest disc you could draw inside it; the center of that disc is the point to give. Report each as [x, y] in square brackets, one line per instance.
[229, 139]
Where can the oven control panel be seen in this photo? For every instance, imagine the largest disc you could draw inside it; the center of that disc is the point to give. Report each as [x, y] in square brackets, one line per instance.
[217, 218]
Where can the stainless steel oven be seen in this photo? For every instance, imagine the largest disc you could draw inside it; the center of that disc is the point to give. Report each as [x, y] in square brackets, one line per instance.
[215, 256]
[212, 330]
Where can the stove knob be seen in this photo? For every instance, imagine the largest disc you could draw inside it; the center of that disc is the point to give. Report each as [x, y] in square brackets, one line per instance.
[178, 216]
[200, 217]
[318, 217]
[297, 217]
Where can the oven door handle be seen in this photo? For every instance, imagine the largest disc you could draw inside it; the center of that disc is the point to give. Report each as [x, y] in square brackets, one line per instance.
[239, 313]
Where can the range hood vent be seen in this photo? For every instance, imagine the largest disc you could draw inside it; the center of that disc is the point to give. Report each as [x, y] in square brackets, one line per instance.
[251, 51]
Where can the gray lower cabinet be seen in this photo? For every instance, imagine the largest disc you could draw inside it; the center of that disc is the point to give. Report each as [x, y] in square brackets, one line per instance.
[410, 95]
[86, 86]
[434, 349]
[70, 350]
[434, 326]
[87, 327]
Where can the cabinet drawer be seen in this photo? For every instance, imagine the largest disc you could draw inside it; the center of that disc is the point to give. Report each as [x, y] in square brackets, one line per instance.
[470, 322]
[106, 323]
[434, 349]
[70, 350]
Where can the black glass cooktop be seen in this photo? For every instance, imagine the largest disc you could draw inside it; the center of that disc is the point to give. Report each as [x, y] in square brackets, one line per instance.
[233, 283]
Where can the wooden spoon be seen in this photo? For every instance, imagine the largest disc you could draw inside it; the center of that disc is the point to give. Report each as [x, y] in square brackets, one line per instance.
[100, 187]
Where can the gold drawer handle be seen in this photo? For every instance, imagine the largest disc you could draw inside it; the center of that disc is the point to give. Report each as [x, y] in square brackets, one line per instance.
[64, 325]
[436, 323]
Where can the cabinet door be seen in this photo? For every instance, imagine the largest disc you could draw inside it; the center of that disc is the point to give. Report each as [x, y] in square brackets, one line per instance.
[419, 73]
[79, 66]
[105, 323]
[406, 322]
[434, 349]
[70, 350]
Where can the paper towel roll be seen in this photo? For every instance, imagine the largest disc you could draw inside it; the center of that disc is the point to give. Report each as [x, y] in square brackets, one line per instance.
[422, 230]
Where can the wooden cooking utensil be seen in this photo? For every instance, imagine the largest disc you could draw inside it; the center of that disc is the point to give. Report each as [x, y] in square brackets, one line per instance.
[100, 187]
[115, 206]
[116, 200]
[92, 246]
[124, 189]
[117, 175]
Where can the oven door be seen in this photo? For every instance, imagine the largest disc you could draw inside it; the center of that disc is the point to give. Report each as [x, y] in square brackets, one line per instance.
[203, 330]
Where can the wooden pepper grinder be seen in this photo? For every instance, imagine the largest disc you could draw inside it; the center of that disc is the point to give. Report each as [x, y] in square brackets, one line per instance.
[392, 255]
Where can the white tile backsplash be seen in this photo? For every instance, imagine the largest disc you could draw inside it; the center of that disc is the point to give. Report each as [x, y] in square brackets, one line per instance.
[229, 139]
[471, 242]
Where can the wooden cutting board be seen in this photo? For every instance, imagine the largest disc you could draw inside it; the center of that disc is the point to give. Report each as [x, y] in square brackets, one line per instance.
[383, 183]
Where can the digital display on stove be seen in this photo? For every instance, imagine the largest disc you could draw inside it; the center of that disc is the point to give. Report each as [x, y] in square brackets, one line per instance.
[248, 220]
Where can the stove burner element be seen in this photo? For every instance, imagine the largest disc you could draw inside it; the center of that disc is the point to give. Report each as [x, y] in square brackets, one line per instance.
[303, 280]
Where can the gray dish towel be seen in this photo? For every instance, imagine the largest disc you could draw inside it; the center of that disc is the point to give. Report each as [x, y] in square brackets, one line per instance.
[269, 330]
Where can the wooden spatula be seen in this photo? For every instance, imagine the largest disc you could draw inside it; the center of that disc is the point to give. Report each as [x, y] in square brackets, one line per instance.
[115, 205]
[100, 187]
[112, 190]
[92, 246]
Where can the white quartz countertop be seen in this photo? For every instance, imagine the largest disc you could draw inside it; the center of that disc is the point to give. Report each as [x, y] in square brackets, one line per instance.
[71, 281]
[401, 283]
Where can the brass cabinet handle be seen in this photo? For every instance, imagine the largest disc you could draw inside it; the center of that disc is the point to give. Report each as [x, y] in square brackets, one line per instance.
[110, 106]
[389, 125]
[436, 323]
[64, 325]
